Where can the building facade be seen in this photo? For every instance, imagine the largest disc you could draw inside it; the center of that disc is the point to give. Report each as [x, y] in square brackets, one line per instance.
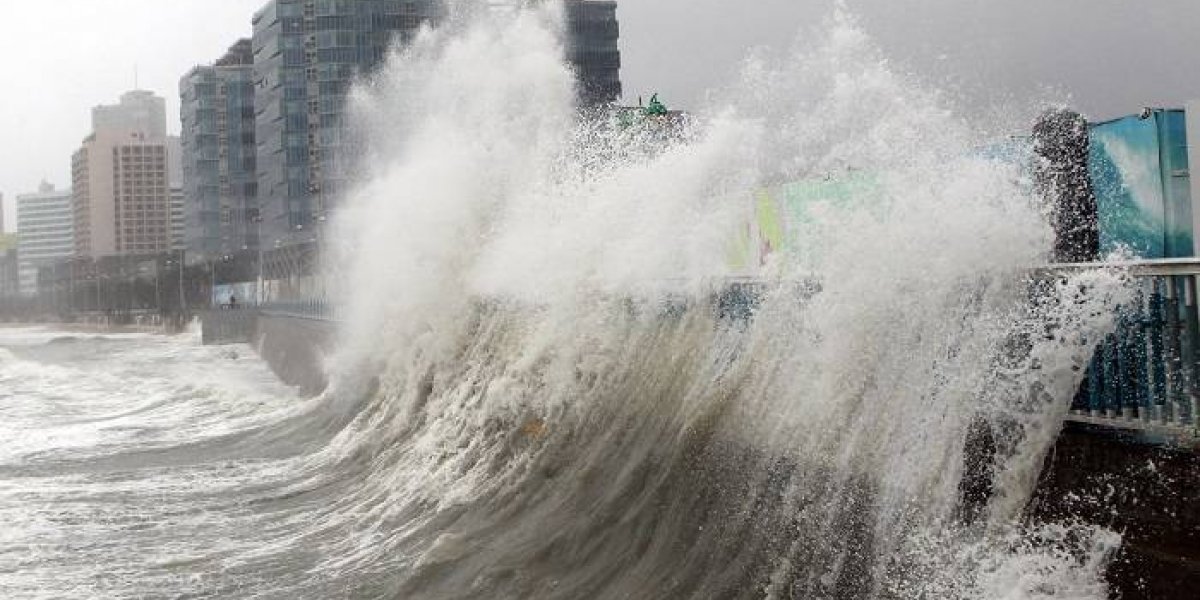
[592, 49]
[121, 181]
[9, 266]
[137, 110]
[178, 219]
[46, 230]
[219, 158]
[307, 53]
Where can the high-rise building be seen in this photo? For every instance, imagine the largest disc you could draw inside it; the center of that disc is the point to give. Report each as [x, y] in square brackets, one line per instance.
[592, 49]
[9, 267]
[121, 180]
[138, 110]
[306, 55]
[46, 226]
[220, 186]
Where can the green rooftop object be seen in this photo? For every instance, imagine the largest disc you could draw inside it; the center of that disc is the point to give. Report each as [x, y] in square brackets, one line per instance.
[655, 108]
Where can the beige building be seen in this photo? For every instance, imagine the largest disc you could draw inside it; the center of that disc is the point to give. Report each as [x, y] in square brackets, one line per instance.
[122, 182]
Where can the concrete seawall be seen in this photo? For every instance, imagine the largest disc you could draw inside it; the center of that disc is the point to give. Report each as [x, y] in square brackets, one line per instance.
[1149, 492]
[295, 347]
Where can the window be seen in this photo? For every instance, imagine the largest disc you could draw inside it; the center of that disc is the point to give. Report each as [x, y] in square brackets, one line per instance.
[289, 9]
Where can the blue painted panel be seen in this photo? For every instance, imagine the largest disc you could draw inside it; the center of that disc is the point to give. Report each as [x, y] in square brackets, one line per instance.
[1139, 173]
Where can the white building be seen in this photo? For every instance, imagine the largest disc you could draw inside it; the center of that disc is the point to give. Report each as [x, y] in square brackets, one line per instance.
[46, 226]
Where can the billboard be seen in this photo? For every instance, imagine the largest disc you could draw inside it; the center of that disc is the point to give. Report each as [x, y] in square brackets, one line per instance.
[1139, 171]
[780, 213]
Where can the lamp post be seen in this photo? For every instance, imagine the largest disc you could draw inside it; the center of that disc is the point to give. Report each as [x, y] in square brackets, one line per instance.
[212, 283]
[298, 251]
[318, 233]
[158, 264]
[182, 297]
[258, 286]
[71, 286]
[320, 286]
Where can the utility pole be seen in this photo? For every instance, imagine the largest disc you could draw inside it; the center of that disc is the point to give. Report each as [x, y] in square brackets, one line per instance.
[258, 288]
[71, 285]
[157, 292]
[182, 297]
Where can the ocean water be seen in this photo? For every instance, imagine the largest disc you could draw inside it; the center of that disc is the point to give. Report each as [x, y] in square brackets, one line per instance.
[533, 396]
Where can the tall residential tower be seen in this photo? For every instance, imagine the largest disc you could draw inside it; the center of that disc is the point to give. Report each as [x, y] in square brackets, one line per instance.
[592, 49]
[220, 186]
[306, 55]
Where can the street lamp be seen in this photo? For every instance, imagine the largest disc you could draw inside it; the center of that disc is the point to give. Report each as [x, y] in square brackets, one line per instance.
[258, 286]
[182, 296]
[99, 307]
[157, 291]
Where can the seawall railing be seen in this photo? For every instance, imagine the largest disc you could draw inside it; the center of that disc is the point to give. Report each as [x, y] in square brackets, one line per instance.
[315, 309]
[1146, 375]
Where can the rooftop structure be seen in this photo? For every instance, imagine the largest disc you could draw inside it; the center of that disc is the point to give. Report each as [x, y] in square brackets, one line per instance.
[138, 110]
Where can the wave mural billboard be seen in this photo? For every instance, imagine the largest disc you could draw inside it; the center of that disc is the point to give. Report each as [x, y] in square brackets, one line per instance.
[1139, 171]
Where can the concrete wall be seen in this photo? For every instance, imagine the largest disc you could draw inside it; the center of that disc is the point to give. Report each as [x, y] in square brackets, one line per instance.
[296, 349]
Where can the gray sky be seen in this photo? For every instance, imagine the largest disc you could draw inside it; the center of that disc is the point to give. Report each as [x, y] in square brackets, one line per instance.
[1109, 57]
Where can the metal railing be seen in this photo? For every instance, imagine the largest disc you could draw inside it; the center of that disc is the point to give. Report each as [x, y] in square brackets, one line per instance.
[1146, 374]
[319, 309]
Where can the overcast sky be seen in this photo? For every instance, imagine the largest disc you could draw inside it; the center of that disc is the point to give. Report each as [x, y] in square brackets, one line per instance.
[1108, 57]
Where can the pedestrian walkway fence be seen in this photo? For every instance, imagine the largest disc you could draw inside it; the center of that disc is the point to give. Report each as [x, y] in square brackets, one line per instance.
[1147, 372]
